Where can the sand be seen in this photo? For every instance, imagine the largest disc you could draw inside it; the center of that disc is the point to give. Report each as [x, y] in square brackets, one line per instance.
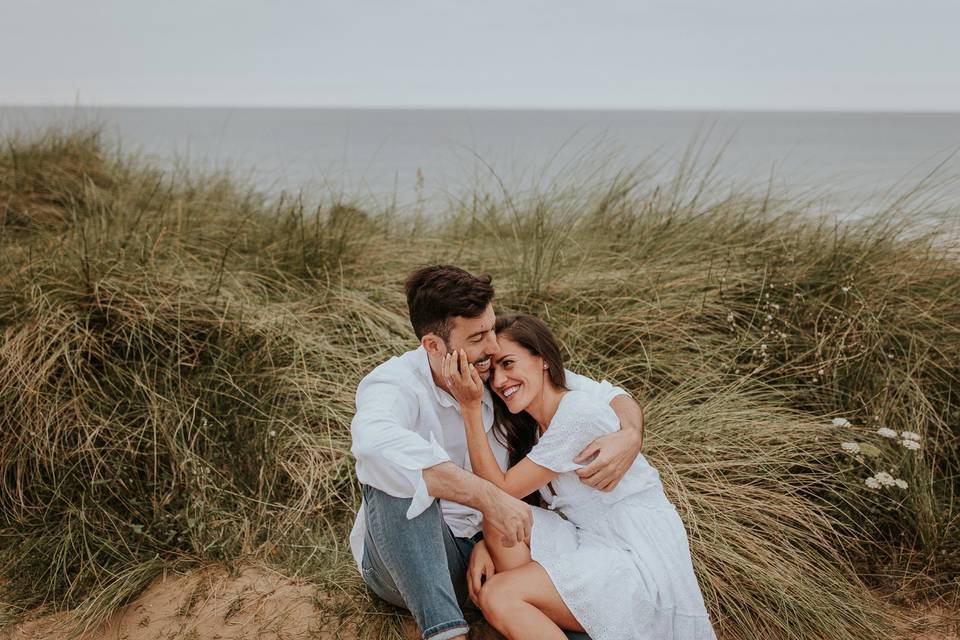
[205, 604]
[260, 604]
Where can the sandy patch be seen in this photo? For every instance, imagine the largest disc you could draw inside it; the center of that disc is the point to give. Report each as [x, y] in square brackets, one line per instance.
[202, 605]
[210, 604]
[930, 621]
[260, 604]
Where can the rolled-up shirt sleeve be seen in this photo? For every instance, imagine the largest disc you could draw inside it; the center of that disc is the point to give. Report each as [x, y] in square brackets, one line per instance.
[602, 390]
[390, 455]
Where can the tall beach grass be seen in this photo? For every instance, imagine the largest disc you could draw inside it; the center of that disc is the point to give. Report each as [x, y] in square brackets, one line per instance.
[180, 354]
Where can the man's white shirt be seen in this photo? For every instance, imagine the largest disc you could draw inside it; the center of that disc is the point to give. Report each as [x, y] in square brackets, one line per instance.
[404, 424]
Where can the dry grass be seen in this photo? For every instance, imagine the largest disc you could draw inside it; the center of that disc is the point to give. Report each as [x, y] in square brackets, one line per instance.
[180, 355]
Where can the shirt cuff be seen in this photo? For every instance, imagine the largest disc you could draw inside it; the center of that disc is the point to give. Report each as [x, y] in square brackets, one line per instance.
[421, 497]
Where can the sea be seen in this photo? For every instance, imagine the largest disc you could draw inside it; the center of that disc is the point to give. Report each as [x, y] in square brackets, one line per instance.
[426, 159]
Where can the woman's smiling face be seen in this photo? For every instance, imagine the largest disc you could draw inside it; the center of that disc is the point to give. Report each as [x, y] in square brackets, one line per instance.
[518, 375]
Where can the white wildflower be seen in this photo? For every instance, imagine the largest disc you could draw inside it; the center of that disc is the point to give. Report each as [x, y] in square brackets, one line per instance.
[886, 432]
[872, 483]
[820, 372]
[840, 422]
[769, 317]
[901, 483]
[910, 435]
[851, 447]
[272, 433]
[913, 445]
[845, 289]
[885, 478]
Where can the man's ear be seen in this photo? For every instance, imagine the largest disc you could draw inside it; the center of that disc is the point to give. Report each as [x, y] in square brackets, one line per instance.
[434, 344]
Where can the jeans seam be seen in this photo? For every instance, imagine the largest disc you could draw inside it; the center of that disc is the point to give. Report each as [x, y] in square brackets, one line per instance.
[380, 535]
[373, 577]
[437, 629]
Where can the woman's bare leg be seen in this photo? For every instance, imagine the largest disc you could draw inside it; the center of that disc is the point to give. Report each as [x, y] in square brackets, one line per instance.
[504, 558]
[523, 603]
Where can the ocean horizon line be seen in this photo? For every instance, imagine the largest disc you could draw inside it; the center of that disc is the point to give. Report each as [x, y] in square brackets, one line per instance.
[490, 109]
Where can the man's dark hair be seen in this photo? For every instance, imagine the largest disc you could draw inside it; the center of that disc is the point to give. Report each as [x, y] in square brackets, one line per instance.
[436, 294]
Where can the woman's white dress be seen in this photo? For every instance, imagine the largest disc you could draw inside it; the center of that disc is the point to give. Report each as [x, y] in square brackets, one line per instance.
[620, 560]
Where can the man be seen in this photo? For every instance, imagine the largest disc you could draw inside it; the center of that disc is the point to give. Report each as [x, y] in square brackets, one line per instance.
[422, 508]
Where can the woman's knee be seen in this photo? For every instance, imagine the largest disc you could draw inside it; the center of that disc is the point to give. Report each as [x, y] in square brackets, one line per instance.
[491, 534]
[505, 558]
[494, 541]
[496, 598]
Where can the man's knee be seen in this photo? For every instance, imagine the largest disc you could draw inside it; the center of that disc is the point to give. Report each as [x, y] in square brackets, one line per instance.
[417, 557]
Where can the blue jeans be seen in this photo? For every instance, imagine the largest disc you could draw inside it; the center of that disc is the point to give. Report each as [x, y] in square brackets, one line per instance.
[418, 564]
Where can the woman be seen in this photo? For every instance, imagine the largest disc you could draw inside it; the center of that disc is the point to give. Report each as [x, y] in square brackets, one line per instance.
[617, 564]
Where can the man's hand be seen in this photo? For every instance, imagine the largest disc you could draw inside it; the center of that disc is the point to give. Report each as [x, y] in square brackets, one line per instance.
[614, 452]
[511, 516]
[480, 569]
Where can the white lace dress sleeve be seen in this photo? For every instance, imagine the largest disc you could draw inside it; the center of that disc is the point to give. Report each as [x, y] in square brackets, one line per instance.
[579, 421]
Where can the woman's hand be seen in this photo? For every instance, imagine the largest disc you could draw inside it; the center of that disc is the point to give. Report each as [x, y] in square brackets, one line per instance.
[479, 570]
[463, 381]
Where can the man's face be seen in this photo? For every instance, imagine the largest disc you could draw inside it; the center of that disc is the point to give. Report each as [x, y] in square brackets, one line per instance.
[476, 337]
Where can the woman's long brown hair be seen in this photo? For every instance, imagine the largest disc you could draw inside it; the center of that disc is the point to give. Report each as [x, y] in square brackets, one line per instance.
[518, 432]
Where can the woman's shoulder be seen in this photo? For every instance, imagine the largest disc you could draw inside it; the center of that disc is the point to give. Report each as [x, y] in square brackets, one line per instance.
[580, 407]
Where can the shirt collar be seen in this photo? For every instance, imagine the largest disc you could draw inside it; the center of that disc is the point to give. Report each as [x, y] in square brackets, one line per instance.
[443, 398]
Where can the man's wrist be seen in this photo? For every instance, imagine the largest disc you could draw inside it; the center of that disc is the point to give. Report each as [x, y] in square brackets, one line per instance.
[486, 495]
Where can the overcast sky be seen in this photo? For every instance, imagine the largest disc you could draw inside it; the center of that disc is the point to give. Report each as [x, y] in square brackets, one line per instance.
[654, 54]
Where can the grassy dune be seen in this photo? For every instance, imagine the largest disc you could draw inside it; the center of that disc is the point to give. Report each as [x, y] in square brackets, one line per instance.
[180, 353]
